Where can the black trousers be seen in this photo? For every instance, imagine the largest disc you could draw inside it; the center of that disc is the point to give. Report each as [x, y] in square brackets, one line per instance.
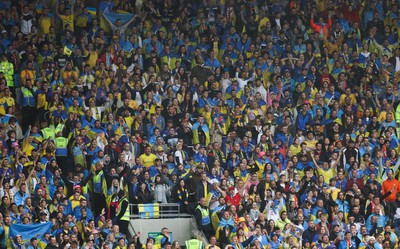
[62, 162]
[40, 113]
[29, 116]
[98, 203]
[123, 226]
[208, 230]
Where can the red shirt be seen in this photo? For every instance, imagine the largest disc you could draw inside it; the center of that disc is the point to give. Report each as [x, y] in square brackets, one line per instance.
[233, 200]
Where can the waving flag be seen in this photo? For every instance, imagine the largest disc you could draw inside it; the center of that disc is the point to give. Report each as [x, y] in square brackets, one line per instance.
[123, 16]
[27, 231]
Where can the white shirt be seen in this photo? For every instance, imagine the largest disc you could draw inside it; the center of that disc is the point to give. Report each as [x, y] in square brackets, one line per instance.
[397, 64]
[138, 98]
[129, 157]
[262, 91]
[225, 84]
[278, 23]
[11, 192]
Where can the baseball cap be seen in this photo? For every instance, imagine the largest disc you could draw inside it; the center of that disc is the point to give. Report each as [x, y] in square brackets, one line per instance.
[76, 187]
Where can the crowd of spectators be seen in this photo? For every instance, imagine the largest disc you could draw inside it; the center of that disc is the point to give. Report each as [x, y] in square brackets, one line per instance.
[275, 123]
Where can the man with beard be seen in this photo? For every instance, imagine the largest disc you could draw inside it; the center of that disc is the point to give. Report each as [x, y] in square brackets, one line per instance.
[309, 234]
[348, 242]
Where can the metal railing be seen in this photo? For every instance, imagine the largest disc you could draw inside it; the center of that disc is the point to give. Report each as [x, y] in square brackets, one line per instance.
[157, 211]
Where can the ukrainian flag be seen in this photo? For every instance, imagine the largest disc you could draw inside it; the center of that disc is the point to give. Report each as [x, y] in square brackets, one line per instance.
[67, 51]
[149, 211]
[215, 220]
[92, 11]
[26, 231]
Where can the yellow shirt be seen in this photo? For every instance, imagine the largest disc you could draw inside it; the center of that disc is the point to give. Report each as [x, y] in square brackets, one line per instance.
[27, 74]
[41, 101]
[215, 247]
[207, 117]
[45, 24]
[3, 101]
[133, 104]
[263, 24]
[310, 143]
[66, 75]
[75, 203]
[27, 147]
[76, 110]
[67, 20]
[10, 101]
[343, 97]
[382, 116]
[148, 160]
[244, 178]
[6, 235]
[295, 150]
[81, 21]
[260, 171]
[92, 58]
[327, 174]
[334, 192]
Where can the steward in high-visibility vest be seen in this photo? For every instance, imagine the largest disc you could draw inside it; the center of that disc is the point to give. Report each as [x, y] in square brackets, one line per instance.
[28, 98]
[163, 238]
[48, 132]
[59, 127]
[203, 219]
[123, 212]
[28, 105]
[99, 189]
[61, 146]
[8, 69]
[61, 150]
[397, 117]
[194, 244]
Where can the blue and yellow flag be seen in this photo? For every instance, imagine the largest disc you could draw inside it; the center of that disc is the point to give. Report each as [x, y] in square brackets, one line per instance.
[149, 210]
[67, 51]
[27, 231]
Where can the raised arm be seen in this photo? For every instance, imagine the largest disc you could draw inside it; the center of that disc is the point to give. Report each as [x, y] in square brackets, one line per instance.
[222, 192]
[329, 25]
[57, 11]
[268, 207]
[73, 2]
[113, 26]
[334, 165]
[28, 179]
[2, 178]
[281, 204]
[242, 16]
[312, 24]
[314, 161]
[125, 26]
